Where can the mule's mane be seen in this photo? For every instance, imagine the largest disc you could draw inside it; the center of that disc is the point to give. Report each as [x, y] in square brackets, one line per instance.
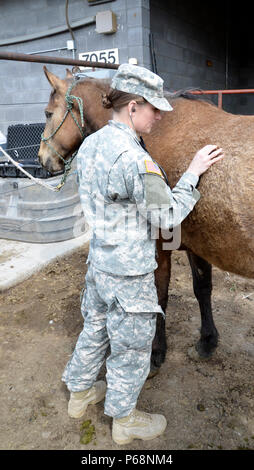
[186, 93]
[100, 82]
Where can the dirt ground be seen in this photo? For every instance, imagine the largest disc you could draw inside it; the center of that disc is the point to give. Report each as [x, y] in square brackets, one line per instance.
[208, 404]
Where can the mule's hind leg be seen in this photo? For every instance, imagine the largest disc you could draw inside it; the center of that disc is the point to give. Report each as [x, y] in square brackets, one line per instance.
[202, 286]
[162, 278]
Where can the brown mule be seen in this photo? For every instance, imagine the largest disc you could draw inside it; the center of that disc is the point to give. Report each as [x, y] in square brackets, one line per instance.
[220, 229]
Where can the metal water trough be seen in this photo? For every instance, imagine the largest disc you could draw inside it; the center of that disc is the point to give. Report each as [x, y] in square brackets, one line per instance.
[30, 213]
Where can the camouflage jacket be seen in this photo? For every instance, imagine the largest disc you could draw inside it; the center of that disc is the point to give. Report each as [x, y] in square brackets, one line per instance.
[126, 200]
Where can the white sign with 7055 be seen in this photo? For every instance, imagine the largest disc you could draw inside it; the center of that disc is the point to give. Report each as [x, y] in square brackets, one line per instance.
[106, 55]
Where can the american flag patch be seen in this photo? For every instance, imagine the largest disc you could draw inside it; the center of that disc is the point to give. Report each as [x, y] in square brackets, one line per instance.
[152, 167]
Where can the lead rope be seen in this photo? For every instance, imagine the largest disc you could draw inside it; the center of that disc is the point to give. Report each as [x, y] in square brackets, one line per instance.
[36, 180]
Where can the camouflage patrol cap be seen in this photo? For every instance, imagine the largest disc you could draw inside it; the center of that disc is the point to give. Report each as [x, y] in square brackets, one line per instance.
[141, 81]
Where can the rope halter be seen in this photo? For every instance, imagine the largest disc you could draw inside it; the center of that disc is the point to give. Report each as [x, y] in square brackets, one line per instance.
[70, 103]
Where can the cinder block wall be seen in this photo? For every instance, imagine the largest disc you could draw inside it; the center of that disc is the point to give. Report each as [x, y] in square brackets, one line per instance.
[246, 76]
[188, 34]
[24, 90]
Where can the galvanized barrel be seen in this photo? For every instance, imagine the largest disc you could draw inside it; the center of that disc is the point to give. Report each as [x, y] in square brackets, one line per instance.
[31, 213]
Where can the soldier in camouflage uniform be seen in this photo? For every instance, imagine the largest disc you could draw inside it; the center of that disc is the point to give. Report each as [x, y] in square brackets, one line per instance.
[124, 195]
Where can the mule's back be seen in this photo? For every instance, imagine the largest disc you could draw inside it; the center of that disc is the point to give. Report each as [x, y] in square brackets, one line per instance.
[221, 227]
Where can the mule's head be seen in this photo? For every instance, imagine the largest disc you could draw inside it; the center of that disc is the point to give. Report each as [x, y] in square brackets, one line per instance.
[62, 135]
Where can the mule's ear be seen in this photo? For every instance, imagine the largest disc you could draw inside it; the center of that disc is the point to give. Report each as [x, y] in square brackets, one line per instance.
[54, 81]
[68, 74]
[76, 69]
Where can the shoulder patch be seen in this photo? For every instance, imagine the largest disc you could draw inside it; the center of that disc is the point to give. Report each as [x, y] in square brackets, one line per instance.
[152, 167]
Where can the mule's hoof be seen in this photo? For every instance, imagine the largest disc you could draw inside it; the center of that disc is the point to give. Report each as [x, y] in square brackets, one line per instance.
[204, 354]
[153, 371]
[193, 354]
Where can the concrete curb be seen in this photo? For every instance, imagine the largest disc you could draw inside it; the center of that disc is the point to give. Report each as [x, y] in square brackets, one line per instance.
[19, 260]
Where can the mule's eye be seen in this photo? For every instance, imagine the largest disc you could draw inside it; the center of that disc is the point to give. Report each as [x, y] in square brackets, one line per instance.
[48, 114]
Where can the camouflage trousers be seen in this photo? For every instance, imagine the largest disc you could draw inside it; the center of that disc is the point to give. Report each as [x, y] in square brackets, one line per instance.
[120, 312]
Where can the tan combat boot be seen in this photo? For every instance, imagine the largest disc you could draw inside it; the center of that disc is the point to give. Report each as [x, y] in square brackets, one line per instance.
[79, 401]
[138, 425]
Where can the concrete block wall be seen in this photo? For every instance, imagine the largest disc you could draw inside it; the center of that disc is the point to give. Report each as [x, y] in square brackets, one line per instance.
[183, 44]
[246, 75]
[188, 34]
[24, 90]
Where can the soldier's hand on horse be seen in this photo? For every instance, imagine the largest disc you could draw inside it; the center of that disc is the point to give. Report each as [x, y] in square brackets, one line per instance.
[205, 158]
